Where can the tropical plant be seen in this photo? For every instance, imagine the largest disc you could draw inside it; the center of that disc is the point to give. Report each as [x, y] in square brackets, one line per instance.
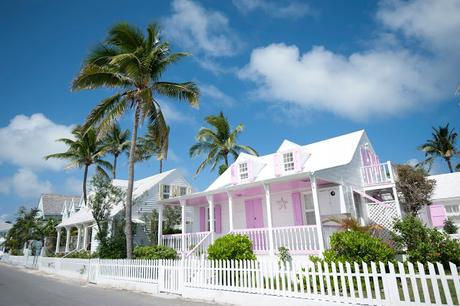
[414, 188]
[153, 144]
[84, 150]
[26, 227]
[450, 227]
[231, 247]
[134, 63]
[442, 144]
[352, 224]
[155, 252]
[217, 143]
[117, 142]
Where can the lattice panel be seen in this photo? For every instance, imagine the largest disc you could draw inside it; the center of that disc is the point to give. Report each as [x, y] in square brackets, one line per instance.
[384, 215]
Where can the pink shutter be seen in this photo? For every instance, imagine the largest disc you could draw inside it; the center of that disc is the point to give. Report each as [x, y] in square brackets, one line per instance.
[250, 170]
[296, 156]
[202, 219]
[218, 216]
[234, 174]
[297, 207]
[276, 164]
[438, 215]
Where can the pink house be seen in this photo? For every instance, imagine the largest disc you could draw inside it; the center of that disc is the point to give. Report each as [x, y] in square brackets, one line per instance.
[286, 198]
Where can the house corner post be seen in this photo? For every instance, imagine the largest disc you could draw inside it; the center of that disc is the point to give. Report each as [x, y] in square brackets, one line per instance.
[67, 239]
[268, 205]
[160, 224]
[183, 226]
[58, 240]
[230, 211]
[319, 225]
[85, 237]
[211, 216]
[78, 237]
[343, 205]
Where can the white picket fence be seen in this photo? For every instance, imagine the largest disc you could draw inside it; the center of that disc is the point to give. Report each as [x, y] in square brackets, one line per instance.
[349, 284]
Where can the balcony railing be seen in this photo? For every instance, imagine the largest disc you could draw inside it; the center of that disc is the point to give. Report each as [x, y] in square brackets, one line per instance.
[377, 174]
[175, 240]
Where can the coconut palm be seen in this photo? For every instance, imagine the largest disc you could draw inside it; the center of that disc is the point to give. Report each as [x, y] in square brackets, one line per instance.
[84, 150]
[117, 142]
[442, 144]
[133, 63]
[217, 143]
[152, 144]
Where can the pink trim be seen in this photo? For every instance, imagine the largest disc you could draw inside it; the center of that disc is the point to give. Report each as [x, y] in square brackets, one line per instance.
[277, 164]
[202, 219]
[297, 207]
[438, 215]
[218, 216]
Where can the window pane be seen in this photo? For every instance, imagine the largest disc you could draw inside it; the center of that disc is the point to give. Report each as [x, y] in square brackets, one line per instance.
[309, 202]
[288, 161]
[310, 216]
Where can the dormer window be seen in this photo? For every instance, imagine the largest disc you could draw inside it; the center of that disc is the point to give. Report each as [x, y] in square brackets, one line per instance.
[166, 191]
[243, 171]
[288, 161]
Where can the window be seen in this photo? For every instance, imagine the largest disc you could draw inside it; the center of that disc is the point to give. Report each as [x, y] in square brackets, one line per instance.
[166, 191]
[452, 209]
[309, 210]
[243, 169]
[288, 161]
[183, 191]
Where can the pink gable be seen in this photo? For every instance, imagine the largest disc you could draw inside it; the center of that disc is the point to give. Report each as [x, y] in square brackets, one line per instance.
[276, 164]
[297, 207]
[202, 219]
[438, 215]
[218, 216]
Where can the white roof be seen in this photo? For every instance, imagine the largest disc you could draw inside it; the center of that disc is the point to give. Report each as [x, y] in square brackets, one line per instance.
[325, 154]
[447, 186]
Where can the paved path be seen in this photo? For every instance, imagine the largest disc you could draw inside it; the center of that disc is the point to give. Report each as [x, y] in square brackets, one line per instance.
[20, 287]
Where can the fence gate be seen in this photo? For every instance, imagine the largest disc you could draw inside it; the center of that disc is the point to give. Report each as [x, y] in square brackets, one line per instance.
[92, 270]
[170, 276]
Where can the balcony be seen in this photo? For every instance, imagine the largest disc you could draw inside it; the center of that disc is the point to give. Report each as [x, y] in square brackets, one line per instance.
[378, 174]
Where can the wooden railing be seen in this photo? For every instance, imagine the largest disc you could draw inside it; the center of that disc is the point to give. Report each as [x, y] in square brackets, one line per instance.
[175, 240]
[377, 174]
[258, 236]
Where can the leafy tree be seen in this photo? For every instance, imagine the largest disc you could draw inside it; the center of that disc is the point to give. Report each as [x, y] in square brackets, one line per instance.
[134, 64]
[27, 227]
[414, 188]
[442, 144]
[83, 151]
[172, 217]
[450, 227]
[117, 142]
[217, 143]
[153, 144]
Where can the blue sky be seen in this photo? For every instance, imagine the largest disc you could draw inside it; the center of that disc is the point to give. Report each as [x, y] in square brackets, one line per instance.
[300, 70]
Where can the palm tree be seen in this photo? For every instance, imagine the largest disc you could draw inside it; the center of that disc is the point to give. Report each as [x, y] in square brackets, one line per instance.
[83, 151]
[442, 144]
[134, 63]
[152, 144]
[117, 142]
[217, 143]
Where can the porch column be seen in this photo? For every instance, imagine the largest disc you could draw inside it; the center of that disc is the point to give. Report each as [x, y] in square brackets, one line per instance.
[211, 216]
[78, 237]
[268, 205]
[183, 221]
[85, 236]
[58, 240]
[160, 223]
[230, 210]
[343, 205]
[319, 226]
[67, 239]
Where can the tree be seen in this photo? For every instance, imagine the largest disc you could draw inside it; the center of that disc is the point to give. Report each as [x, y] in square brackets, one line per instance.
[133, 63]
[217, 143]
[172, 217]
[441, 145]
[414, 188]
[26, 227]
[117, 142]
[153, 144]
[83, 151]
[151, 223]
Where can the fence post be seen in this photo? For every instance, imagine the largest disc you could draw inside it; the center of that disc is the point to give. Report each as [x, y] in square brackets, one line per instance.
[390, 285]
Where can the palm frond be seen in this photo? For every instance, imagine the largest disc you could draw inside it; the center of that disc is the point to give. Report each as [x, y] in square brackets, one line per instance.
[183, 91]
[94, 76]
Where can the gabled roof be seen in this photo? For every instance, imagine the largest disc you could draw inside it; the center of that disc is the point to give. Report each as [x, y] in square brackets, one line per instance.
[143, 185]
[447, 186]
[325, 154]
[53, 203]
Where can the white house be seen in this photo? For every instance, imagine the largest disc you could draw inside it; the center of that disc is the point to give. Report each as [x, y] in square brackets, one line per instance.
[146, 194]
[286, 198]
[50, 205]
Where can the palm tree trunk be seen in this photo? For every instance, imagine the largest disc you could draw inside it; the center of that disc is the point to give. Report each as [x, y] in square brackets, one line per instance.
[85, 176]
[226, 159]
[129, 192]
[114, 170]
[449, 164]
[161, 166]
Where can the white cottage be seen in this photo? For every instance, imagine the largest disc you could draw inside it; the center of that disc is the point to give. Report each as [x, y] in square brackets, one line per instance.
[146, 195]
[286, 198]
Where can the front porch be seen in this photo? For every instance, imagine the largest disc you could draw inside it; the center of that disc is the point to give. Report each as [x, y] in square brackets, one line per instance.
[289, 213]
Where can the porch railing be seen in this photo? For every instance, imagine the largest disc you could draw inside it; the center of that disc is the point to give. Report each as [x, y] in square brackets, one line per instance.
[175, 240]
[377, 174]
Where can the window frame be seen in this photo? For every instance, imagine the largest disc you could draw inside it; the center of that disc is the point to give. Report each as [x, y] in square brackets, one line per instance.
[243, 175]
[168, 193]
[305, 210]
[287, 161]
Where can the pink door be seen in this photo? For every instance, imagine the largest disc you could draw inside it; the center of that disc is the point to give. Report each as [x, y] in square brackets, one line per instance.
[254, 214]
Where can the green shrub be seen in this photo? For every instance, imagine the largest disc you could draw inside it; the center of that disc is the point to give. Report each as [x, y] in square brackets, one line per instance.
[154, 252]
[231, 246]
[424, 244]
[113, 248]
[450, 227]
[353, 246]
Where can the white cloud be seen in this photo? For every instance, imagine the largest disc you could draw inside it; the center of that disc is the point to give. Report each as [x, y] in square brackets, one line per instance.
[201, 30]
[26, 140]
[218, 97]
[25, 184]
[277, 9]
[171, 114]
[385, 80]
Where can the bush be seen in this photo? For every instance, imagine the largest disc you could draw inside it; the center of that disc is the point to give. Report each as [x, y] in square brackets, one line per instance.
[450, 227]
[231, 246]
[425, 244]
[154, 252]
[353, 246]
[113, 248]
